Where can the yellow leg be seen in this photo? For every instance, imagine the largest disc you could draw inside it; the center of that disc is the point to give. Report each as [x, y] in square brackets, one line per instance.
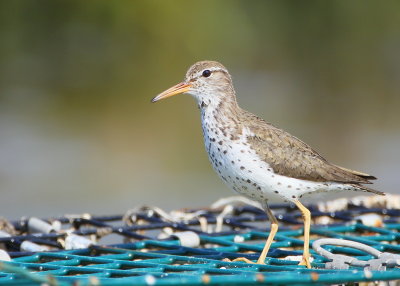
[307, 221]
[270, 239]
[273, 231]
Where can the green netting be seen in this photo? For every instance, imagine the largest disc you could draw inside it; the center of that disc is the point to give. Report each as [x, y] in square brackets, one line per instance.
[151, 258]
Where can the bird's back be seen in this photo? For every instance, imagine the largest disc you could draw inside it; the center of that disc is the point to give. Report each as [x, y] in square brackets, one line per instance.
[291, 157]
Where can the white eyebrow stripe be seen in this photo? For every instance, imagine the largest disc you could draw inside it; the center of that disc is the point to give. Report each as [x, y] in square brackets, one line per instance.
[213, 69]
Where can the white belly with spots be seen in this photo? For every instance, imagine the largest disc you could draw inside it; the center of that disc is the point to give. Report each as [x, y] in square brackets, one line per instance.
[243, 171]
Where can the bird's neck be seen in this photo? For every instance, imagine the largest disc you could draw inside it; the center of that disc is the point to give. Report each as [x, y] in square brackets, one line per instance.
[224, 113]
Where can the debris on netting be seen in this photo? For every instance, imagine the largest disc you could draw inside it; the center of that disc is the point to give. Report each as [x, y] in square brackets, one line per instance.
[353, 240]
[388, 201]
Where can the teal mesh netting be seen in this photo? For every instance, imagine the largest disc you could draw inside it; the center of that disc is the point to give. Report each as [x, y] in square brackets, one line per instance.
[147, 246]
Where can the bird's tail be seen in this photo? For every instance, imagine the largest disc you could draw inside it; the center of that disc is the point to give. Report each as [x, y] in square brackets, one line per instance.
[366, 189]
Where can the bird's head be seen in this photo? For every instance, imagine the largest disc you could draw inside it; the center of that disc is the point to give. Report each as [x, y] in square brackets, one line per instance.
[207, 81]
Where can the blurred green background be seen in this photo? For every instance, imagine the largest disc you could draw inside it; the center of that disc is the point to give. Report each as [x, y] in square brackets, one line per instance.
[78, 132]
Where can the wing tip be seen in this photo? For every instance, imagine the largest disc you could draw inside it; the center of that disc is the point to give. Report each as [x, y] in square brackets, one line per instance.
[359, 174]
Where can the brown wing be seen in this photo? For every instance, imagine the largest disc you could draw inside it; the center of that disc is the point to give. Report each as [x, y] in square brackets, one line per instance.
[289, 156]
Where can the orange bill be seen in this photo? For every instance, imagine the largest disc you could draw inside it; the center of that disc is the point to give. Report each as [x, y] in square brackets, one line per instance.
[176, 89]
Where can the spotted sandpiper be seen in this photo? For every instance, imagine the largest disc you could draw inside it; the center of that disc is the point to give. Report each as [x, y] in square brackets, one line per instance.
[257, 159]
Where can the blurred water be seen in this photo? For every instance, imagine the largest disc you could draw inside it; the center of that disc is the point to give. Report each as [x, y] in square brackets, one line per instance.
[78, 132]
[47, 168]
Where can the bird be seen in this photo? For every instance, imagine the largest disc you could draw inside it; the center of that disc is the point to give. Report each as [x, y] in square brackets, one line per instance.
[255, 158]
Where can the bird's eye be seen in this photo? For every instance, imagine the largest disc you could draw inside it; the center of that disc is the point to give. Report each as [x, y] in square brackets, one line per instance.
[206, 73]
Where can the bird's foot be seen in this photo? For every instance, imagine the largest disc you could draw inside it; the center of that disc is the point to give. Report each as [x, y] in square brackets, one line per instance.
[305, 261]
[243, 259]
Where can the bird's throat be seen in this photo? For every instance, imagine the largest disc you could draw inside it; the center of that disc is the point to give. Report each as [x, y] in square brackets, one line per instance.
[222, 116]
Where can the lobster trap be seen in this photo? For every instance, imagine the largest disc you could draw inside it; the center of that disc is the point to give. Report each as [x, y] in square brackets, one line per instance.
[353, 241]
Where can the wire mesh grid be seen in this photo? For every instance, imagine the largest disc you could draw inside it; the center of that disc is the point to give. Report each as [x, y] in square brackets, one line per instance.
[148, 246]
